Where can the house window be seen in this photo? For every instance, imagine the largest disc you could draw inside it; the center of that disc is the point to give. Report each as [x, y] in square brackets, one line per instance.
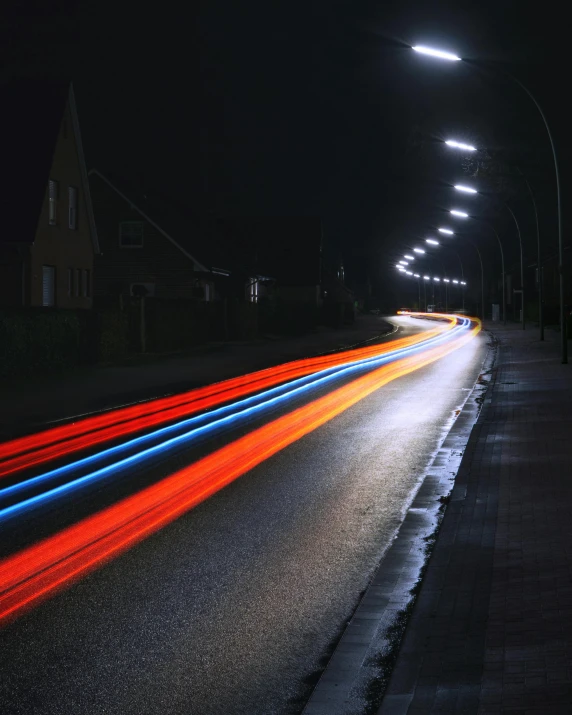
[52, 202]
[72, 202]
[77, 281]
[70, 282]
[48, 285]
[131, 234]
[253, 290]
[85, 283]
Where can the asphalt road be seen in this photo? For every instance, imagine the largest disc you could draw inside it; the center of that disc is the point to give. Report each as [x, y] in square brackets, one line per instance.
[233, 608]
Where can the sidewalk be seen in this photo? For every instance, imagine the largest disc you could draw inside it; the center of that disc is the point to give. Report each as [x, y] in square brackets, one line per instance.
[491, 630]
[27, 404]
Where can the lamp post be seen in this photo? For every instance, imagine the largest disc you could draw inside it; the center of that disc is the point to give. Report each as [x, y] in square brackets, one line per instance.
[433, 242]
[538, 259]
[493, 229]
[416, 275]
[425, 279]
[454, 58]
[474, 245]
[467, 147]
[470, 190]
[521, 264]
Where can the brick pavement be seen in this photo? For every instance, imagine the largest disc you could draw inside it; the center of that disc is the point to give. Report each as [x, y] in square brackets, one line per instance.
[491, 631]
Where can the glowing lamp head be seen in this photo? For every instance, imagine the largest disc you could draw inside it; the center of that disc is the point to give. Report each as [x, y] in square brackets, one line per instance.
[463, 283]
[465, 189]
[409, 273]
[416, 275]
[446, 280]
[409, 258]
[460, 214]
[432, 52]
[460, 145]
[446, 231]
[426, 278]
[436, 279]
[431, 241]
[454, 281]
[419, 250]
[404, 263]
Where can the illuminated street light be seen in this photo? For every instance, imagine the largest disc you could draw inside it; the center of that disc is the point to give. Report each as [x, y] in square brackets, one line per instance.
[426, 278]
[461, 214]
[455, 281]
[463, 283]
[460, 145]
[404, 263]
[563, 328]
[446, 280]
[436, 279]
[409, 258]
[447, 231]
[409, 273]
[419, 250]
[466, 189]
[436, 53]
[416, 275]
[432, 241]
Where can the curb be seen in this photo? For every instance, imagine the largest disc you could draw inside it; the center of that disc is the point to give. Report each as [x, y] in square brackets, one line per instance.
[354, 679]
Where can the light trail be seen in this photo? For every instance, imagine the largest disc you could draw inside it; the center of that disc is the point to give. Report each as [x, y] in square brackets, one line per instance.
[39, 571]
[231, 415]
[57, 442]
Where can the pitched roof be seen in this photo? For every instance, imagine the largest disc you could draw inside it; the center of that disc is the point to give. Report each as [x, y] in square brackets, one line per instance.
[32, 112]
[182, 229]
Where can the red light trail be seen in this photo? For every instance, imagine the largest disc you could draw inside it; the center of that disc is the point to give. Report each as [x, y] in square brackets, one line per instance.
[57, 442]
[42, 569]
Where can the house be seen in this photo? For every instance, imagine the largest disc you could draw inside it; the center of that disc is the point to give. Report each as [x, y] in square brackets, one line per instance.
[147, 247]
[48, 238]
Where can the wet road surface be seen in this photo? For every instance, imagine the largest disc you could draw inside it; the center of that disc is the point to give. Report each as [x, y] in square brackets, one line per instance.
[232, 607]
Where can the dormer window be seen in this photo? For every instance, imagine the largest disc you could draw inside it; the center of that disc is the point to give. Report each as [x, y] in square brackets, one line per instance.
[131, 234]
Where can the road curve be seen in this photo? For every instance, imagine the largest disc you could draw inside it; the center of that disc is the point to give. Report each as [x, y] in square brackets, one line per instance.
[232, 605]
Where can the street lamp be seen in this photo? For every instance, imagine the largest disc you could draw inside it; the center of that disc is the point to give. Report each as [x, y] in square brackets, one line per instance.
[466, 189]
[460, 145]
[451, 57]
[436, 53]
[432, 241]
[493, 229]
[521, 256]
[446, 231]
[459, 214]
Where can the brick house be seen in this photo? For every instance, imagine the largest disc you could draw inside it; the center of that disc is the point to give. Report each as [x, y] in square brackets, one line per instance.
[48, 238]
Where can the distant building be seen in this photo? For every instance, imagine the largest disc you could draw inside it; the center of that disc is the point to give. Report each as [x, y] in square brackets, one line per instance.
[287, 249]
[47, 236]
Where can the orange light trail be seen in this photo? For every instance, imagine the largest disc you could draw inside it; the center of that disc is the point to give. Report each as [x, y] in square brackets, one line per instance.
[57, 442]
[39, 571]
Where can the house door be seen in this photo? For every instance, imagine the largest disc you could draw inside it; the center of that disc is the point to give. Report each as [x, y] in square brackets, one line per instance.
[48, 285]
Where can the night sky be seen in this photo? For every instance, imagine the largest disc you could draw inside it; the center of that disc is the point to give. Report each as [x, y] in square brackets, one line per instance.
[313, 108]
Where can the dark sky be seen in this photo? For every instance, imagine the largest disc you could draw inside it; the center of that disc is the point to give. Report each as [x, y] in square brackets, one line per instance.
[272, 107]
